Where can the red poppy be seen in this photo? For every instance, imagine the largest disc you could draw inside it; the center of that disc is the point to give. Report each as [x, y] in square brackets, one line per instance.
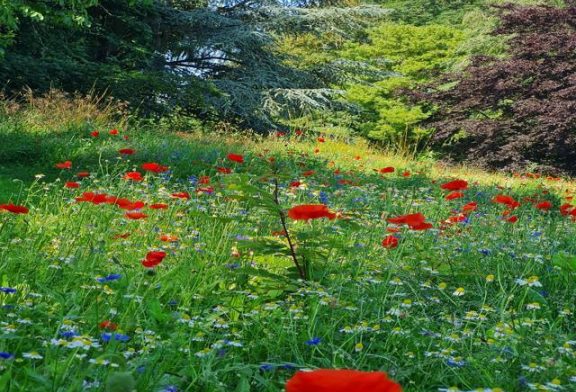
[415, 221]
[181, 195]
[545, 205]
[159, 206]
[357, 157]
[390, 242]
[133, 176]
[295, 184]
[456, 218]
[113, 132]
[135, 215]
[204, 180]
[91, 197]
[109, 325]
[336, 380]
[72, 184]
[454, 195]
[127, 151]
[456, 185]
[15, 209]
[298, 132]
[83, 174]
[512, 219]
[64, 165]
[126, 204]
[406, 174]
[469, 207]
[235, 158]
[206, 189]
[566, 208]
[279, 233]
[321, 140]
[95, 133]
[154, 167]
[310, 211]
[153, 258]
[388, 169]
[224, 170]
[280, 134]
[421, 226]
[168, 238]
[308, 173]
[506, 200]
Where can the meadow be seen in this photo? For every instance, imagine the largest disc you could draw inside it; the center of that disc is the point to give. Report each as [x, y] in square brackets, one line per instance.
[136, 258]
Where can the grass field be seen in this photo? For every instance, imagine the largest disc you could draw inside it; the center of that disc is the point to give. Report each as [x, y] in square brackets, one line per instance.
[185, 281]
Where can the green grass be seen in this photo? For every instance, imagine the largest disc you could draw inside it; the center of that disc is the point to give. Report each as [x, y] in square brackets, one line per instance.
[225, 310]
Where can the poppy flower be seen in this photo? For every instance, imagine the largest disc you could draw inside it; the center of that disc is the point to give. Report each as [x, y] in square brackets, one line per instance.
[133, 176]
[308, 173]
[341, 380]
[456, 185]
[224, 170]
[71, 185]
[181, 195]
[469, 207]
[566, 208]
[415, 221]
[388, 169]
[126, 204]
[512, 219]
[153, 258]
[64, 165]
[310, 211]
[280, 134]
[94, 198]
[134, 215]
[454, 195]
[168, 238]
[113, 132]
[109, 325]
[154, 167]
[298, 132]
[204, 180]
[456, 218]
[159, 206]
[83, 174]
[406, 174]
[235, 158]
[15, 209]
[126, 151]
[545, 205]
[295, 184]
[390, 242]
[321, 140]
[95, 133]
[506, 200]
[206, 189]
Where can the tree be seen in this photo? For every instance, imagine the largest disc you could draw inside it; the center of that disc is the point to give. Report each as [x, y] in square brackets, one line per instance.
[518, 111]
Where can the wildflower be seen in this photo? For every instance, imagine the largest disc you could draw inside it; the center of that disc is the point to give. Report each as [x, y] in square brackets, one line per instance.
[134, 215]
[313, 342]
[5, 355]
[109, 278]
[341, 380]
[7, 290]
[506, 200]
[32, 355]
[153, 258]
[454, 195]
[469, 207]
[95, 133]
[154, 167]
[310, 211]
[545, 205]
[358, 347]
[224, 170]
[159, 206]
[109, 325]
[490, 278]
[83, 174]
[321, 139]
[126, 151]
[414, 221]
[456, 185]
[133, 176]
[459, 292]
[235, 158]
[113, 132]
[15, 209]
[388, 169]
[181, 195]
[390, 242]
[106, 337]
[64, 165]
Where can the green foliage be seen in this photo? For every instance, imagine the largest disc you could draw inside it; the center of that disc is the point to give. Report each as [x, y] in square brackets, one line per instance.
[415, 55]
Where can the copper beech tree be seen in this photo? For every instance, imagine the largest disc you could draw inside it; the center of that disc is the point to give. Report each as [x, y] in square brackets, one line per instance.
[517, 112]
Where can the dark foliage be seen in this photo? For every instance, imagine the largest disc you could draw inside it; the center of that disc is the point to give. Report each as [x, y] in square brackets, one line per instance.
[520, 111]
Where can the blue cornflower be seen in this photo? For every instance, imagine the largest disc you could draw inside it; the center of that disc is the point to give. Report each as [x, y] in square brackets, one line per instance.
[170, 388]
[323, 197]
[193, 180]
[266, 367]
[7, 290]
[5, 355]
[485, 252]
[116, 336]
[453, 362]
[109, 278]
[68, 334]
[313, 342]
